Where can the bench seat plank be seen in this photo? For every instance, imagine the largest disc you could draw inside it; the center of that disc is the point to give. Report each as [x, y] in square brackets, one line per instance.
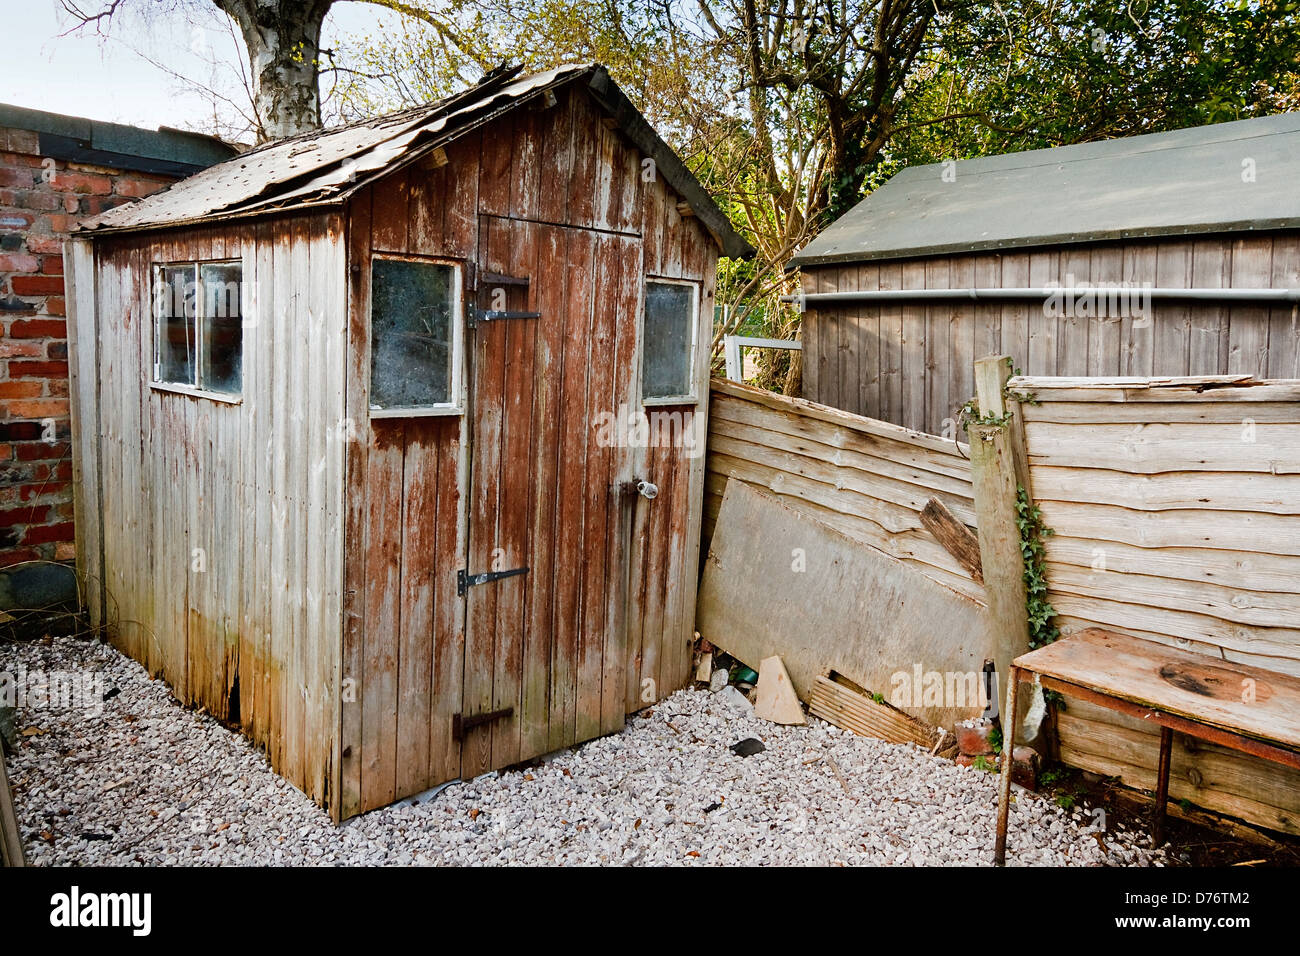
[1199, 688]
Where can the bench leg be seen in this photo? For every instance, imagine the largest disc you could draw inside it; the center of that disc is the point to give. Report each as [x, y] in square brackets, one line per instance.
[1162, 787]
[1009, 718]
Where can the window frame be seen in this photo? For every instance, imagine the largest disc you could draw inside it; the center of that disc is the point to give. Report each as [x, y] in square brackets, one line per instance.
[693, 396]
[456, 385]
[194, 389]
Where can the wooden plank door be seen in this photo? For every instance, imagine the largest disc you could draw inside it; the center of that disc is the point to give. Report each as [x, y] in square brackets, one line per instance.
[544, 491]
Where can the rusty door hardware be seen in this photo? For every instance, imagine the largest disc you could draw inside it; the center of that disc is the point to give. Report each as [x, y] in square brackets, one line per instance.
[461, 724]
[465, 580]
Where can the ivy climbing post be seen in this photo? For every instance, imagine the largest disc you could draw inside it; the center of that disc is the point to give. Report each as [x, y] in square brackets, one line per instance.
[994, 454]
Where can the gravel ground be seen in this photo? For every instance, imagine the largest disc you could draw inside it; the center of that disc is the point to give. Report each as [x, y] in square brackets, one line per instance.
[147, 782]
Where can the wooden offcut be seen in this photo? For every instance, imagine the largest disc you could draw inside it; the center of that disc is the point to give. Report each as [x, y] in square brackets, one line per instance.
[847, 709]
[957, 539]
[777, 700]
[777, 582]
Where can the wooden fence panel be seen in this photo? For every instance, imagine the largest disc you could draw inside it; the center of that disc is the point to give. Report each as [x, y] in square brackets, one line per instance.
[1176, 511]
[865, 478]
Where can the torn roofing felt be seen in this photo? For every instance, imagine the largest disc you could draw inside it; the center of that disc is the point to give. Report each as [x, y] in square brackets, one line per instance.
[323, 168]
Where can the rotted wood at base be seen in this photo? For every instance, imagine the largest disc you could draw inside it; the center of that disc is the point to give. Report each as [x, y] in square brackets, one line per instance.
[11, 841]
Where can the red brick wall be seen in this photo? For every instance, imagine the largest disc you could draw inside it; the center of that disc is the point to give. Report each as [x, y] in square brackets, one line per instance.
[40, 200]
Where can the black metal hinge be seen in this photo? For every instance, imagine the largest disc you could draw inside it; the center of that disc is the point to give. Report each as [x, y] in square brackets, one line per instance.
[465, 580]
[460, 724]
[479, 316]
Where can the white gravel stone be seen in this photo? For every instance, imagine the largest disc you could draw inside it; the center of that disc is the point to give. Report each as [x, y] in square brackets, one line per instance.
[147, 782]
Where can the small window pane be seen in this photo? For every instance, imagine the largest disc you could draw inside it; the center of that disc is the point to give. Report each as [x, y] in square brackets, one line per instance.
[222, 359]
[411, 316]
[669, 322]
[175, 300]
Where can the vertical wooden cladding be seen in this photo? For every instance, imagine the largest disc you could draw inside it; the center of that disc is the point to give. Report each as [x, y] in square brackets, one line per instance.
[194, 489]
[909, 363]
[520, 479]
[286, 561]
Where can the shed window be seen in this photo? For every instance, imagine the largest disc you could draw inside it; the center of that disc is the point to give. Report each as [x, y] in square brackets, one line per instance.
[198, 326]
[668, 360]
[415, 337]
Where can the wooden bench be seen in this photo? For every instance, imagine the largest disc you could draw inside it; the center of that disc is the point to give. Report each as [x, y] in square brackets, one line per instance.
[1250, 709]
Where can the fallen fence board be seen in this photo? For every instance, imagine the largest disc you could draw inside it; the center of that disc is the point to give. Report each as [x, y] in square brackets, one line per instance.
[838, 705]
[777, 582]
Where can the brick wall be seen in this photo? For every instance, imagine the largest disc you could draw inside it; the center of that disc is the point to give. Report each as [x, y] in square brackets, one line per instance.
[40, 200]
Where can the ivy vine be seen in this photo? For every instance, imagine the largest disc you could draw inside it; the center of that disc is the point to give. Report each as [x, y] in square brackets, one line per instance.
[1029, 521]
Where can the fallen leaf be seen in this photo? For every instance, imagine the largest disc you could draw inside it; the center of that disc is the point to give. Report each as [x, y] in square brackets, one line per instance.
[693, 853]
[473, 814]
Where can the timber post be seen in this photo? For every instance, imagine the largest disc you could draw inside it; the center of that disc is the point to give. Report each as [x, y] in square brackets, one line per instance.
[993, 440]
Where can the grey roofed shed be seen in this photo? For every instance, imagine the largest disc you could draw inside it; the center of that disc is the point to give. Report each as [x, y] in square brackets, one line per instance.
[1200, 227]
[1179, 183]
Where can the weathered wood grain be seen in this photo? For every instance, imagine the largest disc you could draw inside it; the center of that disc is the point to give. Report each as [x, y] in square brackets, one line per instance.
[779, 583]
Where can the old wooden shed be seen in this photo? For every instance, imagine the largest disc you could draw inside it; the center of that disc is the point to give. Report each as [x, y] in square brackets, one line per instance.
[354, 462]
[1160, 255]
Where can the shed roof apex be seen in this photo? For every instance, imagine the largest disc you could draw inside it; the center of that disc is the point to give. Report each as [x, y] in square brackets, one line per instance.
[324, 167]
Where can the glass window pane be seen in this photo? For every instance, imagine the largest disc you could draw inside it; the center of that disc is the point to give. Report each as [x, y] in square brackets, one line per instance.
[669, 316]
[411, 315]
[221, 364]
[174, 302]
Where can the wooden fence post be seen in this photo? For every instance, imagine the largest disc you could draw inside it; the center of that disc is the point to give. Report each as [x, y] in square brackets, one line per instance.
[993, 465]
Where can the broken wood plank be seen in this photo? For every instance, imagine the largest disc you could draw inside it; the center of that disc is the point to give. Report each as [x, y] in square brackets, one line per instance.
[957, 539]
[777, 700]
[849, 710]
[777, 582]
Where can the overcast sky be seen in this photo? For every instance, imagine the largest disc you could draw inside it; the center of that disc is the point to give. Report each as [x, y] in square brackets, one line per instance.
[106, 80]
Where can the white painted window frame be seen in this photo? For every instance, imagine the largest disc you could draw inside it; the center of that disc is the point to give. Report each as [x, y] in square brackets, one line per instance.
[693, 397]
[733, 344]
[195, 389]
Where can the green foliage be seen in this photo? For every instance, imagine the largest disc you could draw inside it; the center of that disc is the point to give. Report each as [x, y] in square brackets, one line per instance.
[1029, 520]
[982, 763]
[792, 113]
[1031, 74]
[995, 740]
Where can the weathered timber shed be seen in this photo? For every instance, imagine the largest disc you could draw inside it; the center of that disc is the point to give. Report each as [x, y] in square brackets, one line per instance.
[354, 467]
[1160, 255]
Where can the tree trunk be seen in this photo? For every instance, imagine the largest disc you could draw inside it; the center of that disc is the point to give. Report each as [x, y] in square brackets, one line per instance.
[283, 41]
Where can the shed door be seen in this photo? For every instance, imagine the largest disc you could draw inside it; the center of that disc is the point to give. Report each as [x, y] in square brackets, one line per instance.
[547, 644]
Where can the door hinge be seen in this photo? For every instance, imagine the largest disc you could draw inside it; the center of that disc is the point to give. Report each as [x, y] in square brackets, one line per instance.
[461, 724]
[479, 316]
[465, 580]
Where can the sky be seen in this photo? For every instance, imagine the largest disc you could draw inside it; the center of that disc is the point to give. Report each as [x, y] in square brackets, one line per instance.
[108, 80]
